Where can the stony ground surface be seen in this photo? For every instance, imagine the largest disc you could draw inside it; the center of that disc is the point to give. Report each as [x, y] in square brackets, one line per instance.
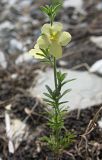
[20, 23]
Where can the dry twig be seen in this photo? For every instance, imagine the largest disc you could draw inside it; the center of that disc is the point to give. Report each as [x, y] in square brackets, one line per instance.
[89, 129]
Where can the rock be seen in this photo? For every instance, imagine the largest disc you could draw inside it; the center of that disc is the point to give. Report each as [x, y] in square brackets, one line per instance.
[20, 130]
[3, 61]
[97, 67]
[6, 25]
[12, 2]
[25, 58]
[99, 6]
[97, 40]
[35, 23]
[25, 19]
[100, 123]
[86, 89]
[78, 4]
[14, 76]
[24, 4]
[36, 14]
[15, 46]
[62, 63]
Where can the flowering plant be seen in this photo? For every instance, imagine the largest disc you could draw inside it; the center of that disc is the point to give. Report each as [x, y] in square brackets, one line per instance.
[52, 38]
[48, 48]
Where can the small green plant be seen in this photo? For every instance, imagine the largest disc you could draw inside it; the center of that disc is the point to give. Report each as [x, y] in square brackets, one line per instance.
[48, 48]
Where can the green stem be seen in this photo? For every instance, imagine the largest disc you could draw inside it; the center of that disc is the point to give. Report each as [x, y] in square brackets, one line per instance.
[55, 74]
[56, 131]
[51, 22]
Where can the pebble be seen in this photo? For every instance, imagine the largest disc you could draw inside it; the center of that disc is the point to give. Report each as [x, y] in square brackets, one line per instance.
[36, 14]
[78, 4]
[100, 123]
[6, 25]
[25, 57]
[97, 67]
[99, 6]
[24, 4]
[35, 23]
[12, 2]
[14, 75]
[63, 63]
[19, 129]
[25, 19]
[97, 40]
[15, 46]
[3, 61]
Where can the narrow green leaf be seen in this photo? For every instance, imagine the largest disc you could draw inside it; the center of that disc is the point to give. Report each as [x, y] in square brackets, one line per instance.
[40, 54]
[65, 92]
[44, 9]
[44, 139]
[54, 2]
[56, 7]
[47, 100]
[48, 95]
[63, 76]
[62, 102]
[50, 104]
[49, 89]
[47, 6]
[44, 51]
[68, 81]
[59, 76]
[45, 61]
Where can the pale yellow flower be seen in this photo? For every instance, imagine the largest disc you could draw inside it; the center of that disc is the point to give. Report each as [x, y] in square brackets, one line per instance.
[36, 51]
[53, 38]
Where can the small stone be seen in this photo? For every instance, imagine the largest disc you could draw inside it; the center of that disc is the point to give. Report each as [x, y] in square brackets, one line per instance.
[97, 67]
[78, 4]
[25, 58]
[14, 76]
[100, 123]
[99, 6]
[3, 61]
[97, 40]
[62, 63]
[25, 19]
[19, 129]
[12, 2]
[35, 23]
[36, 14]
[6, 25]
[8, 107]
[24, 6]
[15, 46]
[24, 3]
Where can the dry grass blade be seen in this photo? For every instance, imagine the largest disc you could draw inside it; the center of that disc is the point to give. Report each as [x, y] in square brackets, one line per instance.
[90, 127]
